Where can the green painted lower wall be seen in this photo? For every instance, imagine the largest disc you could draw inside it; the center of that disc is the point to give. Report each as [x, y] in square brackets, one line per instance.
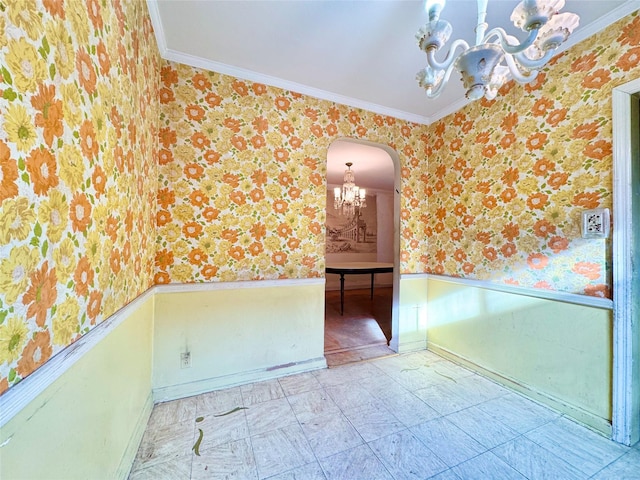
[236, 335]
[88, 423]
[556, 352]
[411, 333]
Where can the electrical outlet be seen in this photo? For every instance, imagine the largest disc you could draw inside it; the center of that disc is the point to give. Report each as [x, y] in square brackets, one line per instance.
[185, 360]
[595, 223]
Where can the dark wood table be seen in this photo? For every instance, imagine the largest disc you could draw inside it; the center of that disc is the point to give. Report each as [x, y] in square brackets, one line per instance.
[357, 268]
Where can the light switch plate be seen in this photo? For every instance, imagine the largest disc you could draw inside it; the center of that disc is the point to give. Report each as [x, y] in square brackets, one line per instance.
[595, 223]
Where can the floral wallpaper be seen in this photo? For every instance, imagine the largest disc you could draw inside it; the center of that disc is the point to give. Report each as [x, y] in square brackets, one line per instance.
[242, 187]
[509, 178]
[78, 141]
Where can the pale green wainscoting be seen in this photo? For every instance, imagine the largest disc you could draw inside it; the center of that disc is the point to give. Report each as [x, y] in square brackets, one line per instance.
[410, 331]
[235, 332]
[82, 415]
[557, 350]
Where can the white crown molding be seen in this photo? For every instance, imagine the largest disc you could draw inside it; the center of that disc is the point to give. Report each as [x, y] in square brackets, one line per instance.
[20, 395]
[252, 76]
[158, 29]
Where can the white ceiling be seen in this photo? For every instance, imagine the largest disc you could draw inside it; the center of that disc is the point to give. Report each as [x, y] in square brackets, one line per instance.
[358, 53]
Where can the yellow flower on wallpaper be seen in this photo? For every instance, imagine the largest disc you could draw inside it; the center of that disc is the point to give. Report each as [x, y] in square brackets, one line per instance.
[24, 15]
[15, 270]
[19, 127]
[71, 166]
[53, 215]
[25, 64]
[60, 42]
[13, 336]
[16, 219]
[64, 258]
[65, 321]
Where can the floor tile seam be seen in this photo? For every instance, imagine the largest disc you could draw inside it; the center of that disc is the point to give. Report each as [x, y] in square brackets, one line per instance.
[576, 467]
[522, 436]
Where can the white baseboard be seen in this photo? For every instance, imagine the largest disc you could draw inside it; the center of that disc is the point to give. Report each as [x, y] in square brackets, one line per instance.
[174, 392]
[408, 347]
[587, 419]
[129, 455]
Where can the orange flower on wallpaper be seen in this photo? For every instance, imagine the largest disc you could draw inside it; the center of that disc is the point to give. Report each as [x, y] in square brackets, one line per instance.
[281, 103]
[587, 200]
[164, 259]
[510, 231]
[536, 141]
[161, 277]
[103, 58]
[83, 276]
[510, 121]
[194, 112]
[198, 198]
[489, 201]
[584, 63]
[557, 244]
[209, 271]
[35, 354]
[210, 213]
[258, 231]
[230, 235]
[193, 171]
[80, 212]
[42, 170]
[508, 249]
[167, 137]
[556, 116]
[240, 88]
[629, 60]
[199, 140]
[192, 229]
[586, 131]
[542, 167]
[9, 174]
[201, 82]
[541, 106]
[41, 294]
[542, 228]
[86, 71]
[537, 261]
[93, 305]
[168, 75]
[166, 95]
[99, 180]
[49, 114]
[256, 248]
[165, 197]
[557, 180]
[508, 194]
[163, 217]
[213, 100]
[537, 201]
[490, 253]
[284, 230]
[238, 197]
[588, 269]
[211, 157]
[483, 237]
[279, 258]
[597, 79]
[114, 261]
[483, 137]
[236, 252]
[460, 255]
[598, 150]
[601, 291]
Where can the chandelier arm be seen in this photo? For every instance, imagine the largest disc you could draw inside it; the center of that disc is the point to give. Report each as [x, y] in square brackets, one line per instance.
[531, 63]
[505, 39]
[448, 61]
[516, 72]
[436, 91]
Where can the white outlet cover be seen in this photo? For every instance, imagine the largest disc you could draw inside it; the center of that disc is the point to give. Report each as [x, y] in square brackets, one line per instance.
[595, 223]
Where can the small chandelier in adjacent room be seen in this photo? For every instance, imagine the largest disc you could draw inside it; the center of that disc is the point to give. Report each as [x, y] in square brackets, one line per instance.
[350, 197]
[496, 56]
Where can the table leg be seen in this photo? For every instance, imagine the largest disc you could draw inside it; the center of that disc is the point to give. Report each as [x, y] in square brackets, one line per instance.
[341, 293]
[372, 285]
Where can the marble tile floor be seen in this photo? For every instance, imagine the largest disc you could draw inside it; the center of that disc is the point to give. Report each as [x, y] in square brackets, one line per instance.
[411, 416]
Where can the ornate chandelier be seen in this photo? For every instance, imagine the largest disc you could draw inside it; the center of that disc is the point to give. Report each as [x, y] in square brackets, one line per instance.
[350, 196]
[496, 57]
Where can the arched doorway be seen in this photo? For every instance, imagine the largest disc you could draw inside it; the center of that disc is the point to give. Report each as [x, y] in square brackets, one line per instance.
[366, 235]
